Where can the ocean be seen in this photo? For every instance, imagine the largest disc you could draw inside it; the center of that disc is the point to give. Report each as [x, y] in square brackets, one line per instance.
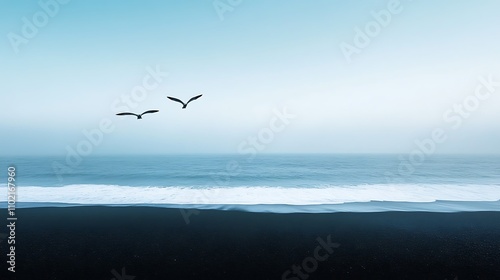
[264, 183]
[267, 217]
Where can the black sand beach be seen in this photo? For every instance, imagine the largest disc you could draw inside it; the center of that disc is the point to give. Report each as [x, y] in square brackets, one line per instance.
[156, 243]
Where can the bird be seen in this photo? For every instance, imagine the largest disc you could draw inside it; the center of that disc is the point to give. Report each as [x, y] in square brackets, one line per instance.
[184, 105]
[138, 116]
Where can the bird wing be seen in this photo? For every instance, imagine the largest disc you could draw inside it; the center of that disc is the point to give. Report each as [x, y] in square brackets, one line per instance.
[150, 111]
[194, 98]
[127, 114]
[176, 100]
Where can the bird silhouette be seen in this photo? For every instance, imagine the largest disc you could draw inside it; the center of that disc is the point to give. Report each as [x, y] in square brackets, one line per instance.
[138, 116]
[184, 105]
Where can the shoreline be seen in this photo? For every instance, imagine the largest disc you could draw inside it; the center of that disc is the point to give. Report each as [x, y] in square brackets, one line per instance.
[440, 206]
[90, 242]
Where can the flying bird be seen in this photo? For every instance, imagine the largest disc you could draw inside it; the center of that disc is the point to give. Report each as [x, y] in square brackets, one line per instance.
[184, 105]
[138, 116]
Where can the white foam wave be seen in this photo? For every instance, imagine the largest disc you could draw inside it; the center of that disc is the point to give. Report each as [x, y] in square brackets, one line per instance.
[241, 195]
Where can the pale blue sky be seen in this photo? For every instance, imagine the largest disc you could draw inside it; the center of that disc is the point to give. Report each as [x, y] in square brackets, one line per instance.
[262, 55]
